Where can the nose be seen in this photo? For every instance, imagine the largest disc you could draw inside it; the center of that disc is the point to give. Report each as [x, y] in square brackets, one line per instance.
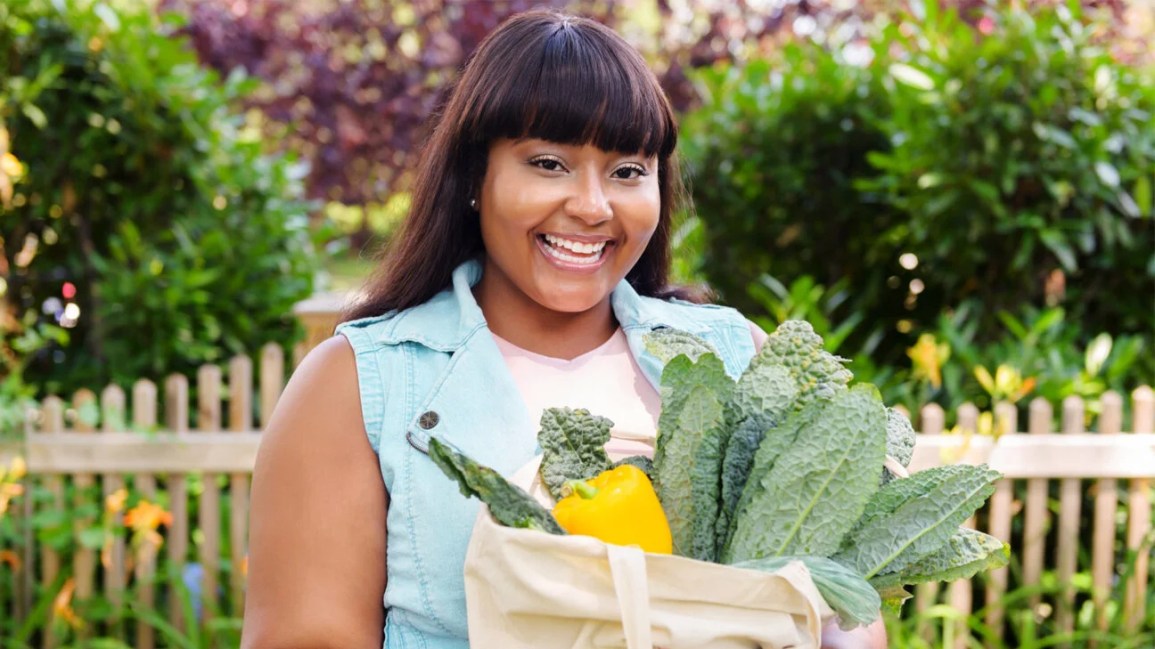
[589, 201]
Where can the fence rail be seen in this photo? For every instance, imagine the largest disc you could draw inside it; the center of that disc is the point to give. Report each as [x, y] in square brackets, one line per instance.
[197, 456]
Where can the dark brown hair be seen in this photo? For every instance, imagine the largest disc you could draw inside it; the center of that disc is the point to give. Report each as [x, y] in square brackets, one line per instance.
[540, 75]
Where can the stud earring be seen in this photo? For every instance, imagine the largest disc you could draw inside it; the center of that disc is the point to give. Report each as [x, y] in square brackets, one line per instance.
[473, 204]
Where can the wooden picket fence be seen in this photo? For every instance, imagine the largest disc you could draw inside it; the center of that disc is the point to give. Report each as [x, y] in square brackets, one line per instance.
[152, 443]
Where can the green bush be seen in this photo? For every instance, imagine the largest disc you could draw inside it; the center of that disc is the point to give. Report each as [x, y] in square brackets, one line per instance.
[144, 203]
[1005, 166]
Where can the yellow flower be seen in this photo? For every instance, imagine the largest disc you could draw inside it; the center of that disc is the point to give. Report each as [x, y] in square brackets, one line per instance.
[62, 605]
[11, 166]
[928, 357]
[1007, 384]
[114, 502]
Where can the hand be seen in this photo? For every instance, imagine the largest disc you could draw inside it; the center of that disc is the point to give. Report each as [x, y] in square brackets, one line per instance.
[869, 637]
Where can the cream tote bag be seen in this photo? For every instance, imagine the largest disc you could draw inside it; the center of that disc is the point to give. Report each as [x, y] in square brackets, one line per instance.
[526, 589]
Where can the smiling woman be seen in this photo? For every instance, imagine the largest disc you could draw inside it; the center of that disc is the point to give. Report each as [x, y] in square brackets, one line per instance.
[532, 264]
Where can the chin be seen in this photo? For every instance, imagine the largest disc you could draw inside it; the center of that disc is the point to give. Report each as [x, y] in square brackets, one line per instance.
[563, 302]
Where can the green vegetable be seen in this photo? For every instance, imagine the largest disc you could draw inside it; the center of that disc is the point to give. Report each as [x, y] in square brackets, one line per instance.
[967, 553]
[688, 453]
[667, 343]
[853, 598]
[774, 442]
[573, 447]
[641, 461]
[763, 398]
[819, 373]
[820, 484]
[900, 438]
[509, 504]
[923, 516]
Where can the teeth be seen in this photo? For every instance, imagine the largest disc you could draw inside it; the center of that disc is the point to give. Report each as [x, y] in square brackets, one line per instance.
[573, 259]
[576, 246]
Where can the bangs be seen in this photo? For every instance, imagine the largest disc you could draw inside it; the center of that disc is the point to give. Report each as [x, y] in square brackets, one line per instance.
[584, 88]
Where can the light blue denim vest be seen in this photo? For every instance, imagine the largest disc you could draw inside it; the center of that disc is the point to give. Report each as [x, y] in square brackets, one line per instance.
[434, 369]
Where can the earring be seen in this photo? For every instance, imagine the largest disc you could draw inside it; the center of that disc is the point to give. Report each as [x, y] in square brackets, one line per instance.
[473, 204]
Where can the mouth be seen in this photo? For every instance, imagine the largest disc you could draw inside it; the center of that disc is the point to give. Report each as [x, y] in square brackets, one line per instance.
[571, 252]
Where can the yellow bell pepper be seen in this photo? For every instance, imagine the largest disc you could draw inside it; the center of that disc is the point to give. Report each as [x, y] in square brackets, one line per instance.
[618, 506]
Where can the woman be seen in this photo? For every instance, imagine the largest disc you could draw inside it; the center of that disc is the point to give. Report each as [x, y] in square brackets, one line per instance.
[534, 259]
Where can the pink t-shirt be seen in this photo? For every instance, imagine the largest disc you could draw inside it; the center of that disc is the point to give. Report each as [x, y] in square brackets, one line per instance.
[606, 381]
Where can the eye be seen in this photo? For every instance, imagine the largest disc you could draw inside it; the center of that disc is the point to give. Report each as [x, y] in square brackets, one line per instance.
[548, 163]
[630, 172]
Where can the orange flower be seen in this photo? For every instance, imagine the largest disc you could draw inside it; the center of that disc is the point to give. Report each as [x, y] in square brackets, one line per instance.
[11, 558]
[144, 519]
[62, 605]
[8, 491]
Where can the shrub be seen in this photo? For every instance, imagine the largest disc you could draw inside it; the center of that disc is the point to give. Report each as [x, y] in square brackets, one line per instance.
[1005, 166]
[147, 221]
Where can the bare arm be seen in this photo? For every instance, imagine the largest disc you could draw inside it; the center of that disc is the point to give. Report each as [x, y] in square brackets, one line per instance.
[317, 523]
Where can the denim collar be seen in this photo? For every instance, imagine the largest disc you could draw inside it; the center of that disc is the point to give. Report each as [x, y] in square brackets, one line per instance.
[448, 320]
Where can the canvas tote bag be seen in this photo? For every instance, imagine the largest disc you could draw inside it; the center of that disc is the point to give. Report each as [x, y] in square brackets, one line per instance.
[527, 589]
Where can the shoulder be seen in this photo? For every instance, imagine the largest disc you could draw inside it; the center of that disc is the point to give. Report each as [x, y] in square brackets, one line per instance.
[322, 394]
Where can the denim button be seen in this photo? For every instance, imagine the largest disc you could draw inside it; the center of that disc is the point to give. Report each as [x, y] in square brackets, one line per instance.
[428, 420]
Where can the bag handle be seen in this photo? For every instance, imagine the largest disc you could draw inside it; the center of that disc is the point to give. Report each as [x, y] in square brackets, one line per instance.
[631, 585]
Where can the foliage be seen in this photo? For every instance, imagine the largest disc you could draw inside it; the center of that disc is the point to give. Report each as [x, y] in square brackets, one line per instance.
[978, 171]
[147, 222]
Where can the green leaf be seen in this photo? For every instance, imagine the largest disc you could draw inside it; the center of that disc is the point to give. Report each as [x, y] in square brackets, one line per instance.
[668, 343]
[911, 76]
[819, 485]
[107, 15]
[508, 503]
[1142, 194]
[1107, 173]
[688, 453]
[854, 599]
[35, 115]
[92, 537]
[911, 518]
[573, 447]
[1097, 353]
[965, 554]
[1058, 245]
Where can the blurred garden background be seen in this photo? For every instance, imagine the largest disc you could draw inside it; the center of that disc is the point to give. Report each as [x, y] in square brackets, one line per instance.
[958, 195]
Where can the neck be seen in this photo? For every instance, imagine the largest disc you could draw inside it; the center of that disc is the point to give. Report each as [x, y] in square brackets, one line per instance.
[528, 325]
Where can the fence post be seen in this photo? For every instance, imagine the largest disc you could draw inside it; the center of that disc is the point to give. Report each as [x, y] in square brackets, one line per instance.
[1035, 517]
[1139, 521]
[144, 395]
[1007, 423]
[1106, 506]
[176, 412]
[240, 422]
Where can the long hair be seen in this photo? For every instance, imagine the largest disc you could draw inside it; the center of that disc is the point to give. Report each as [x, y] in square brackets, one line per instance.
[539, 75]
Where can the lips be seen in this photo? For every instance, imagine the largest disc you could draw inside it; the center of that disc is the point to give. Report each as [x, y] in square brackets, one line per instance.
[572, 254]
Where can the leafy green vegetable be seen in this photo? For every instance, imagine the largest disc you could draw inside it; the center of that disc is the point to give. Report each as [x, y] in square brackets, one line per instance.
[573, 447]
[853, 598]
[762, 399]
[819, 373]
[818, 486]
[688, 454]
[965, 554]
[641, 461]
[667, 343]
[774, 442]
[900, 438]
[925, 511]
[737, 460]
[765, 392]
[509, 504]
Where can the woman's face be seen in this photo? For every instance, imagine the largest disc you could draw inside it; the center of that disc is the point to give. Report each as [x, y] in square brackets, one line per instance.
[563, 224]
